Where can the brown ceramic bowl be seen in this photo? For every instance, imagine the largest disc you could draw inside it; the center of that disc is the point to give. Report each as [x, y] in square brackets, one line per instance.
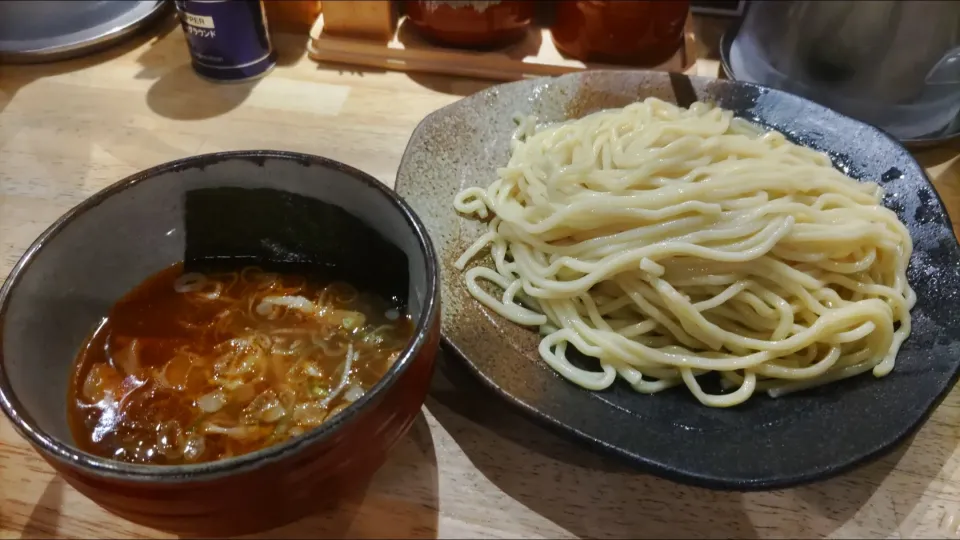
[257, 204]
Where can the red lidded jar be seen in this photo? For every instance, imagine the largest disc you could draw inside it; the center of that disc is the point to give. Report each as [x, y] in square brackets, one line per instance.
[633, 32]
[471, 24]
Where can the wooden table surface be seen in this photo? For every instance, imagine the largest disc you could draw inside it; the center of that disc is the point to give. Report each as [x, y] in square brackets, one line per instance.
[470, 467]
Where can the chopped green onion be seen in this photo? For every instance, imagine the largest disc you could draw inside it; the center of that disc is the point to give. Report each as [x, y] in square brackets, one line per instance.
[278, 430]
[196, 423]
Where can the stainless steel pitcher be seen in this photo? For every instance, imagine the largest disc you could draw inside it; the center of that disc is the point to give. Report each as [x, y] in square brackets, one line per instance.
[893, 63]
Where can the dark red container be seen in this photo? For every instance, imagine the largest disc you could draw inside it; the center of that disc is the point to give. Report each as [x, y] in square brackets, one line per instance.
[478, 25]
[629, 32]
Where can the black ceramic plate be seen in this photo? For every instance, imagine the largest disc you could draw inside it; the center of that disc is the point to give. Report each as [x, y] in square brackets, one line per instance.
[766, 442]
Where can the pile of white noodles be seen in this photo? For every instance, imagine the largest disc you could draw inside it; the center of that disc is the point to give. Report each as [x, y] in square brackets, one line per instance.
[668, 243]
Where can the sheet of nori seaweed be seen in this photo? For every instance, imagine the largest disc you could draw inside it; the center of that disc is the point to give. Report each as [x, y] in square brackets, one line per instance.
[227, 227]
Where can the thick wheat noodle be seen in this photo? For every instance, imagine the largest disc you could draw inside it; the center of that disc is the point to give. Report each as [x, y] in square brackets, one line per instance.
[669, 243]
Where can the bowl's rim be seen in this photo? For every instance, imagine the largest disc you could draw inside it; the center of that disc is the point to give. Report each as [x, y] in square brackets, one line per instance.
[640, 462]
[103, 467]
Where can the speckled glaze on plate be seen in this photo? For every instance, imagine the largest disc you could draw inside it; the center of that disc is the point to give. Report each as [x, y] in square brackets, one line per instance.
[765, 443]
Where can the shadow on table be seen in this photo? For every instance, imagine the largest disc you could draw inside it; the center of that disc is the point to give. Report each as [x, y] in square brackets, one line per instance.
[938, 155]
[178, 93]
[181, 94]
[709, 29]
[291, 47]
[347, 69]
[19, 75]
[451, 84]
[593, 496]
[45, 516]
[13, 77]
[400, 502]
[462, 86]
[405, 504]
[946, 179]
[55, 133]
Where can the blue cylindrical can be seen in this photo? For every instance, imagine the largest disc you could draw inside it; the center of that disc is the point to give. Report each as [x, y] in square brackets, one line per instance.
[228, 39]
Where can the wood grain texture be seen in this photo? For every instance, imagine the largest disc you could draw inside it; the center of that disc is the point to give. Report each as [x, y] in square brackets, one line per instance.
[470, 467]
[534, 56]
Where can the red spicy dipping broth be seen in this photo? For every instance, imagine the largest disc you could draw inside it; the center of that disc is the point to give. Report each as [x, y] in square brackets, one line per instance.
[189, 368]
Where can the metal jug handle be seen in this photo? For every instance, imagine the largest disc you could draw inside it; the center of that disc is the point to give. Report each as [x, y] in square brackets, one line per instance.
[947, 70]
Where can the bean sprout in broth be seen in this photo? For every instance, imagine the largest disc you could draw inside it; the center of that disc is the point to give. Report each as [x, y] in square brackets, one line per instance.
[190, 368]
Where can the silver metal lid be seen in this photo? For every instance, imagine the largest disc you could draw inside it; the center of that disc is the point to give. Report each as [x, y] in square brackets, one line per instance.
[51, 30]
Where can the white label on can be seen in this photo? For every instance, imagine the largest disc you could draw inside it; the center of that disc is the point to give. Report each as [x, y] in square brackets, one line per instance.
[200, 21]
